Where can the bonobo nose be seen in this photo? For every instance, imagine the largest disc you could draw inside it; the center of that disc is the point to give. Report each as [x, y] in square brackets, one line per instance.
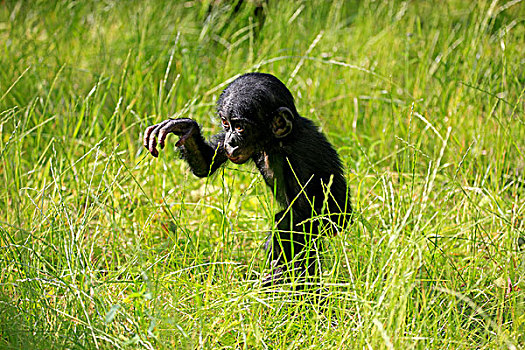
[231, 151]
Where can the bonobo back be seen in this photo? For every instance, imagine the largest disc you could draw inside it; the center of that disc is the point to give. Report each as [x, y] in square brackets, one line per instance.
[308, 175]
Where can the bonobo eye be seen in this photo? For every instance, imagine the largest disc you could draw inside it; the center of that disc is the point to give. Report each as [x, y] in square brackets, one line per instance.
[239, 129]
[225, 123]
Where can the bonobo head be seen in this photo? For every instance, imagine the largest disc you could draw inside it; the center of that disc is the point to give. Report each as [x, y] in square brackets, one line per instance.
[255, 109]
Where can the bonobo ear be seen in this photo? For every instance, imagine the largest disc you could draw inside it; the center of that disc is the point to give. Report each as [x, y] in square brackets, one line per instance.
[282, 122]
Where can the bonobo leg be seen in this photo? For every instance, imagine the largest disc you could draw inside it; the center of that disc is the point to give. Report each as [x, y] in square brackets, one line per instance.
[291, 247]
[203, 157]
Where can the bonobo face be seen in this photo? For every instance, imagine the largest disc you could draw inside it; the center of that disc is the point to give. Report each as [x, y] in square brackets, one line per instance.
[240, 140]
[255, 110]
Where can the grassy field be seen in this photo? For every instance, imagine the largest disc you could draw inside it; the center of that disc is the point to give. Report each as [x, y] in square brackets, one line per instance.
[103, 246]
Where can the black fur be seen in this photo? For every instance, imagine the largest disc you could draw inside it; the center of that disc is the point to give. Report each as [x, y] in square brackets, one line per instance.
[296, 161]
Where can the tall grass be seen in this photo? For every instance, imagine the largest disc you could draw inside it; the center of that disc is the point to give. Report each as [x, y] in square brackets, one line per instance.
[103, 246]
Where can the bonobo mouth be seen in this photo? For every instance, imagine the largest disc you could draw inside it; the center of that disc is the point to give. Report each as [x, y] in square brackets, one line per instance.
[240, 159]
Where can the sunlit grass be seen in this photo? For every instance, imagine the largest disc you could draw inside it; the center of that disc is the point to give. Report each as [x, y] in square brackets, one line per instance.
[104, 246]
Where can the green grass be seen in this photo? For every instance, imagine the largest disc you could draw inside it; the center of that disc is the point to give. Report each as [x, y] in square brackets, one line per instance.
[104, 246]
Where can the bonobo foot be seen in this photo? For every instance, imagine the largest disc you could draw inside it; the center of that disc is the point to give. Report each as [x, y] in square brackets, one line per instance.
[274, 277]
[292, 256]
[286, 273]
[183, 127]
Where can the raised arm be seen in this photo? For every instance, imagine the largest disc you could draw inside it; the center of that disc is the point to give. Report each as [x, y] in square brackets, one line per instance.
[203, 157]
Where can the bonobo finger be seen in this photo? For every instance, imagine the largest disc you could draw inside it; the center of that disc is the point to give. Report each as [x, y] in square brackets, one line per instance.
[151, 147]
[153, 140]
[162, 135]
[147, 134]
[183, 139]
[185, 128]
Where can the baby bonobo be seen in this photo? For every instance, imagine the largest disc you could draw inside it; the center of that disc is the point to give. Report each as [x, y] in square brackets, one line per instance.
[260, 122]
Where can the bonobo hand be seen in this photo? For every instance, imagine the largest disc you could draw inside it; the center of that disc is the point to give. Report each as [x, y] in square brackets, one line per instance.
[183, 127]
